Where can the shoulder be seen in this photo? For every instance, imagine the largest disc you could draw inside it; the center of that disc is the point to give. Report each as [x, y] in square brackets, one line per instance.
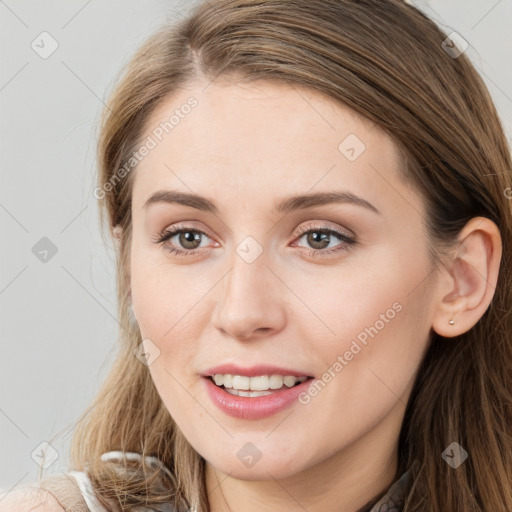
[55, 493]
[27, 498]
[69, 491]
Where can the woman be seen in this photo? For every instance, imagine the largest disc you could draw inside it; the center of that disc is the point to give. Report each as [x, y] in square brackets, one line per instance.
[311, 206]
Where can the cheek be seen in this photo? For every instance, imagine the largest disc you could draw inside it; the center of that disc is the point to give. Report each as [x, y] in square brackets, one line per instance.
[167, 303]
[380, 326]
[375, 318]
[165, 312]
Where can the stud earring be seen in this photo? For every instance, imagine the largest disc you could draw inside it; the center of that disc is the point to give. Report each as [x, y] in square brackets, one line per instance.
[451, 322]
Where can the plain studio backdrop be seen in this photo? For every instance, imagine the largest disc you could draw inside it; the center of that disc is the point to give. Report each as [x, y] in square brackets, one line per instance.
[57, 281]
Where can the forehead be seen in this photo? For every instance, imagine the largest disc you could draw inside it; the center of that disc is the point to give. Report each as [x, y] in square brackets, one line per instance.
[263, 138]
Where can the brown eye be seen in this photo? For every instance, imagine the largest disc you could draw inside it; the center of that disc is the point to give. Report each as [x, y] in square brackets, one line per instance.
[318, 239]
[189, 240]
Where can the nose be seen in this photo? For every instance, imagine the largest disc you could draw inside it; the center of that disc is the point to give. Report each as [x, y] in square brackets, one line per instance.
[251, 302]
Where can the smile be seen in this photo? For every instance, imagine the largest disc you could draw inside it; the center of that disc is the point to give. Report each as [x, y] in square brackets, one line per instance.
[277, 393]
[262, 385]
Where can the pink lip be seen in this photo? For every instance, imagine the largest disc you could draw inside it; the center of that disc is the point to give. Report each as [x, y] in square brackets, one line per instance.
[253, 371]
[254, 408]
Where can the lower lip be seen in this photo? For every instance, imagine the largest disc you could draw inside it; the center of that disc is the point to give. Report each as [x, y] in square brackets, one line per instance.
[248, 408]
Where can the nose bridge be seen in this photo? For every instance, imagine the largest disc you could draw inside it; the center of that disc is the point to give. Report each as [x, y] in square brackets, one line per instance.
[247, 282]
[248, 299]
[249, 259]
[250, 262]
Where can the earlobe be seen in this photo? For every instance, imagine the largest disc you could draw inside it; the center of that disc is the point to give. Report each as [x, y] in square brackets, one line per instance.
[469, 278]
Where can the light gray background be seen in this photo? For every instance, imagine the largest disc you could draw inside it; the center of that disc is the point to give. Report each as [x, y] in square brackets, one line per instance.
[58, 318]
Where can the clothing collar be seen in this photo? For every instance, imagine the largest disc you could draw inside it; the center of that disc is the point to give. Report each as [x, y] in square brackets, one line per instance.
[393, 500]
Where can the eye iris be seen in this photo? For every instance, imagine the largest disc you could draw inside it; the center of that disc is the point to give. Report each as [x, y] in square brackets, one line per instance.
[321, 238]
[187, 237]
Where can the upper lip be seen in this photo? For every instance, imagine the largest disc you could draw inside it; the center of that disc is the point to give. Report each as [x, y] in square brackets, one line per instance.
[252, 371]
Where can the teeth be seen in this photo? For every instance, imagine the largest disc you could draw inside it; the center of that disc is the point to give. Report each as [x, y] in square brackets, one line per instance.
[261, 383]
[236, 392]
[219, 379]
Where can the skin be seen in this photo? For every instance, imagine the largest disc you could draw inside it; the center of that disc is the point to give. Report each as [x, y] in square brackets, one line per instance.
[245, 147]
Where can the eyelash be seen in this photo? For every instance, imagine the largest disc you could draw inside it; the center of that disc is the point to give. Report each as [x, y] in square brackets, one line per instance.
[165, 235]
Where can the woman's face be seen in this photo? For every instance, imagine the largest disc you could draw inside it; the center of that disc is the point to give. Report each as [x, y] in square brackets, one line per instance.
[263, 284]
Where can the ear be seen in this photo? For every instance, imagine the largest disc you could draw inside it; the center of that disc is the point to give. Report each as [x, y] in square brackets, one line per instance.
[470, 276]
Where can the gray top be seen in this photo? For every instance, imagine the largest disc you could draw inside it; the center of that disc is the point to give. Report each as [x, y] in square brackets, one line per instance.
[393, 500]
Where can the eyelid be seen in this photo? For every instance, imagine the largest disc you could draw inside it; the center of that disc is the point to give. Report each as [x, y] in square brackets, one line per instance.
[300, 231]
[186, 225]
[324, 226]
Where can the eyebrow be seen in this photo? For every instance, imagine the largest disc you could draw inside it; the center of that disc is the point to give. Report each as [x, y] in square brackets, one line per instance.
[298, 202]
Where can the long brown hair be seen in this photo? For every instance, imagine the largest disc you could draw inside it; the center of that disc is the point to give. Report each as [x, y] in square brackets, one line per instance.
[385, 60]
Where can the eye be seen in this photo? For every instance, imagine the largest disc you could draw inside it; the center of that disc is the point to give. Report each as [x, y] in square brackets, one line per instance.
[189, 240]
[320, 237]
[187, 237]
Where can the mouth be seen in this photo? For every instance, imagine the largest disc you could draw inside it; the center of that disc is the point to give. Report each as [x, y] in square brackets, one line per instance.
[256, 386]
[255, 397]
